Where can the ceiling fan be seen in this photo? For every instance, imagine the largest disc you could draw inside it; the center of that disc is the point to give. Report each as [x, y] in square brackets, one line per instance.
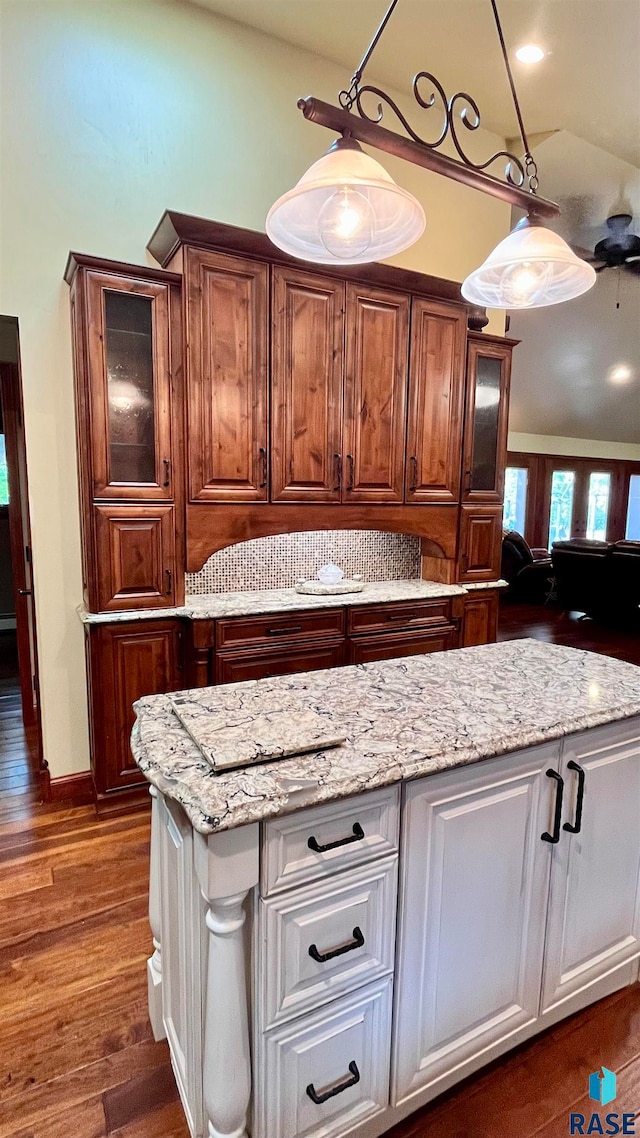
[619, 249]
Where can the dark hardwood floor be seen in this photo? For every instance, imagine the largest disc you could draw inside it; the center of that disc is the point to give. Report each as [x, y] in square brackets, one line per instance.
[77, 1057]
[545, 622]
[19, 785]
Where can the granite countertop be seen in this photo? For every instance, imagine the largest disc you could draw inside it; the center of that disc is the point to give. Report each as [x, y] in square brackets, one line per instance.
[211, 606]
[402, 719]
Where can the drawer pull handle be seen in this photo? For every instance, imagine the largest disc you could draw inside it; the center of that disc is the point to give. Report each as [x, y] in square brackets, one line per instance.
[576, 827]
[284, 630]
[400, 616]
[321, 1097]
[322, 957]
[554, 838]
[356, 835]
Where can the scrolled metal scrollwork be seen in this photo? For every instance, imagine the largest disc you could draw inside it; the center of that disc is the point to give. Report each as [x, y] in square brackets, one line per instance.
[461, 108]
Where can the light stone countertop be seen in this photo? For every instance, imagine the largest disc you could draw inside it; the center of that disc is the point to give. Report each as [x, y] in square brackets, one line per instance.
[402, 719]
[212, 606]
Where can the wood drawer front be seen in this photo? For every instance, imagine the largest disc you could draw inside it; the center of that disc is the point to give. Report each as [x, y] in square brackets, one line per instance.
[407, 614]
[136, 557]
[353, 913]
[366, 649]
[346, 1044]
[244, 632]
[258, 664]
[288, 860]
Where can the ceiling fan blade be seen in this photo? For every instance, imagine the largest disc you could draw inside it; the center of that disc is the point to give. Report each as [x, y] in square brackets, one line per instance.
[600, 268]
[633, 266]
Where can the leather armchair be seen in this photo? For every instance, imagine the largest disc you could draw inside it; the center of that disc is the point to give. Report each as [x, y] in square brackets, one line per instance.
[528, 571]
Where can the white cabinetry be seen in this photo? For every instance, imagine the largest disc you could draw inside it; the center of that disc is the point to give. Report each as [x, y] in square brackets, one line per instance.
[594, 907]
[474, 898]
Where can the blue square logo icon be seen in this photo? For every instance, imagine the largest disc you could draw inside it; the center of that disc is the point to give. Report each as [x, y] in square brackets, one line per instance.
[602, 1086]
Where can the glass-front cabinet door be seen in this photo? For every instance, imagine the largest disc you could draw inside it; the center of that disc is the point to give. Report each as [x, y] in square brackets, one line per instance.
[129, 363]
[485, 446]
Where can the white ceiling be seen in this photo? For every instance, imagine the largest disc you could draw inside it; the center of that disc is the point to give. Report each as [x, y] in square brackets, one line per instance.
[588, 84]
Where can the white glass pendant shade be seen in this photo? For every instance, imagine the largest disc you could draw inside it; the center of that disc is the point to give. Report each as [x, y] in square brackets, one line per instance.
[532, 268]
[345, 210]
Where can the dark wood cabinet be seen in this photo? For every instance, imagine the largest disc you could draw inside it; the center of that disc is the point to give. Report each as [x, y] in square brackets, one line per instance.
[480, 618]
[136, 561]
[366, 649]
[129, 388]
[231, 667]
[436, 402]
[486, 414]
[480, 543]
[127, 341]
[227, 401]
[375, 402]
[127, 661]
[307, 351]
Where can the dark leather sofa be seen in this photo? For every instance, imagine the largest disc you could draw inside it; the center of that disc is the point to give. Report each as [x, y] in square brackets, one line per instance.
[599, 578]
[527, 570]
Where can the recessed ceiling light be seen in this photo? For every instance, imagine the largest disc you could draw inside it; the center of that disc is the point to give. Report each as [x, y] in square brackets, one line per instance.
[530, 53]
[620, 373]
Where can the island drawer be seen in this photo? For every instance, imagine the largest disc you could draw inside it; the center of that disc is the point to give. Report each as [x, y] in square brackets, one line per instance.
[405, 614]
[325, 1073]
[243, 632]
[313, 843]
[327, 939]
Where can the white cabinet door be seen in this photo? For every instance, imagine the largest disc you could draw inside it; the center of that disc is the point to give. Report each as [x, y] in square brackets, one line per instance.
[473, 905]
[594, 911]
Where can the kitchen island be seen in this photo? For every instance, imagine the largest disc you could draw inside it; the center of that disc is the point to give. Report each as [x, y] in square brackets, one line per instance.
[343, 935]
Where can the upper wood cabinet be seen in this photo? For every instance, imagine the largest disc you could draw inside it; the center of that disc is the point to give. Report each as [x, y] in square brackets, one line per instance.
[128, 386]
[306, 387]
[480, 543]
[485, 430]
[436, 402]
[135, 555]
[227, 403]
[376, 368]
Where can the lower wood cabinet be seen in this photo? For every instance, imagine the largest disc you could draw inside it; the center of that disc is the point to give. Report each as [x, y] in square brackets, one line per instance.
[480, 543]
[127, 661]
[230, 667]
[136, 561]
[366, 649]
[480, 618]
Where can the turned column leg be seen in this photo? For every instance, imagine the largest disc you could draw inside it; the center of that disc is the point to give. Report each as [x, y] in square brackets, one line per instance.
[227, 868]
[154, 963]
[227, 1067]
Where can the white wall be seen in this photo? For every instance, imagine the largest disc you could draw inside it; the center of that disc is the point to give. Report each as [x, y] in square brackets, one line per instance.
[112, 112]
[575, 448]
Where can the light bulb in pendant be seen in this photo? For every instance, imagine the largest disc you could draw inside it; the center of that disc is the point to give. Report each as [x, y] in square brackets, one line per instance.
[522, 284]
[345, 223]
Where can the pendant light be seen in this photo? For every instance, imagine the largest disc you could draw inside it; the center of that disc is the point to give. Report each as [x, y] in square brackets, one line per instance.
[531, 268]
[345, 210]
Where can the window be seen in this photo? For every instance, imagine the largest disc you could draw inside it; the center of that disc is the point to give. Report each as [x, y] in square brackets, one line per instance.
[598, 505]
[561, 510]
[633, 509]
[4, 480]
[515, 498]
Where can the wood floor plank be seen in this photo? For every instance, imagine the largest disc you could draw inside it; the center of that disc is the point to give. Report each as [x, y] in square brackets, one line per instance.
[169, 1122]
[88, 1121]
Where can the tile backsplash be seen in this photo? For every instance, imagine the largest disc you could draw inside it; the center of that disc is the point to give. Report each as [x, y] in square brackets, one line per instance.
[277, 562]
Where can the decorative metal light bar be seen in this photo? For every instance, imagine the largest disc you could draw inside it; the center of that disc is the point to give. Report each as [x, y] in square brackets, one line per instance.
[347, 209]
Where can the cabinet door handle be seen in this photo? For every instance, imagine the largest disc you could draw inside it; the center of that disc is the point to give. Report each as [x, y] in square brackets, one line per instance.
[321, 1096]
[169, 579]
[356, 835]
[25, 592]
[557, 817]
[167, 472]
[338, 462]
[576, 827]
[284, 630]
[350, 475]
[263, 460]
[322, 957]
[464, 562]
[414, 473]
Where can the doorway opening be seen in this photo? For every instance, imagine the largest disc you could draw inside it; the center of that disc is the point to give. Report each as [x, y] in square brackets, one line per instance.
[22, 768]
